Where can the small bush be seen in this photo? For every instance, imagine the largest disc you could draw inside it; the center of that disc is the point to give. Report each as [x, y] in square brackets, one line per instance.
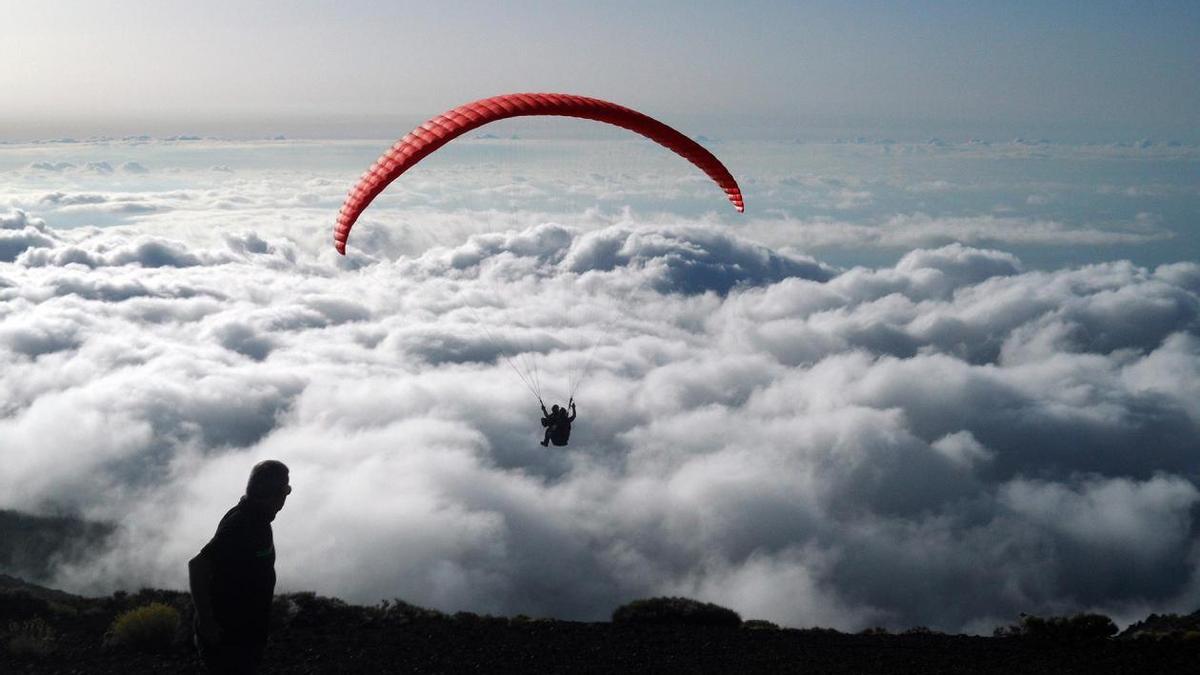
[817, 631]
[675, 611]
[1080, 627]
[759, 624]
[33, 637]
[1164, 627]
[1006, 631]
[62, 609]
[402, 612]
[149, 628]
[309, 610]
[284, 608]
[875, 630]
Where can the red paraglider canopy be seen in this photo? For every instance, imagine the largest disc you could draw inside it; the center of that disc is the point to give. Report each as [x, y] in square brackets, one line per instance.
[440, 130]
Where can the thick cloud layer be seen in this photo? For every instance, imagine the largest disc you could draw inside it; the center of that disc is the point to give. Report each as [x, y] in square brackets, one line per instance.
[915, 384]
[946, 441]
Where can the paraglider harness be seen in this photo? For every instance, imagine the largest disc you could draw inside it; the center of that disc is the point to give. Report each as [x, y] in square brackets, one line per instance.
[560, 424]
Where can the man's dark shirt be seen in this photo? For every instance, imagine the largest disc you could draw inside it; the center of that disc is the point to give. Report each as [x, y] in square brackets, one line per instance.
[243, 573]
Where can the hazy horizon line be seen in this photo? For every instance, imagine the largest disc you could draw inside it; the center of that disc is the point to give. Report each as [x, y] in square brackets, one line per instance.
[349, 126]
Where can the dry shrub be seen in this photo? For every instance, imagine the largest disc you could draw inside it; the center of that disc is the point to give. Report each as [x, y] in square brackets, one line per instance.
[151, 627]
[32, 637]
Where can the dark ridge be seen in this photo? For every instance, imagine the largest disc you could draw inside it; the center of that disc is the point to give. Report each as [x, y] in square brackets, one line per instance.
[47, 631]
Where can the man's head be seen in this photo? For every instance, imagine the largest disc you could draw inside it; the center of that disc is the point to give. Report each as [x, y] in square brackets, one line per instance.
[554, 408]
[268, 484]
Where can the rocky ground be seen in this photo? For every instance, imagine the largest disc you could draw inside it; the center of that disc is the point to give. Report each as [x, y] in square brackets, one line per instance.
[322, 635]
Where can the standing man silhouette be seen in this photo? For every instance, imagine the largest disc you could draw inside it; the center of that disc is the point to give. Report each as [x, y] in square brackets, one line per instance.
[233, 577]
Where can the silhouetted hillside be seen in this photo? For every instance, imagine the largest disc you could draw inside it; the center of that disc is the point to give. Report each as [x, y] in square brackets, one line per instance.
[32, 546]
[1166, 627]
[46, 631]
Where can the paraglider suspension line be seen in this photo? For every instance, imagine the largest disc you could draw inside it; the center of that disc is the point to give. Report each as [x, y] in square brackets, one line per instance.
[532, 384]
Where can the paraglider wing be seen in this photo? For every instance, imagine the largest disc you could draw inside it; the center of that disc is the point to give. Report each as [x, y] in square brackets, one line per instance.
[435, 133]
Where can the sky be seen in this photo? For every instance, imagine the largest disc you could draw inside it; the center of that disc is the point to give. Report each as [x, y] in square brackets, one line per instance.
[1099, 71]
[944, 370]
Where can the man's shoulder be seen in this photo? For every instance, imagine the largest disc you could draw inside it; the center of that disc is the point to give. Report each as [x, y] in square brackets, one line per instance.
[234, 516]
[240, 520]
[240, 530]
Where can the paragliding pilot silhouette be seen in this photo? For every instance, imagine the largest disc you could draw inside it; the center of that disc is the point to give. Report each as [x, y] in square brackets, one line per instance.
[233, 577]
[557, 423]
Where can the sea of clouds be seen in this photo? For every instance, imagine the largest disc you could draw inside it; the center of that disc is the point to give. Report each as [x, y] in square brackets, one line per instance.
[947, 438]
